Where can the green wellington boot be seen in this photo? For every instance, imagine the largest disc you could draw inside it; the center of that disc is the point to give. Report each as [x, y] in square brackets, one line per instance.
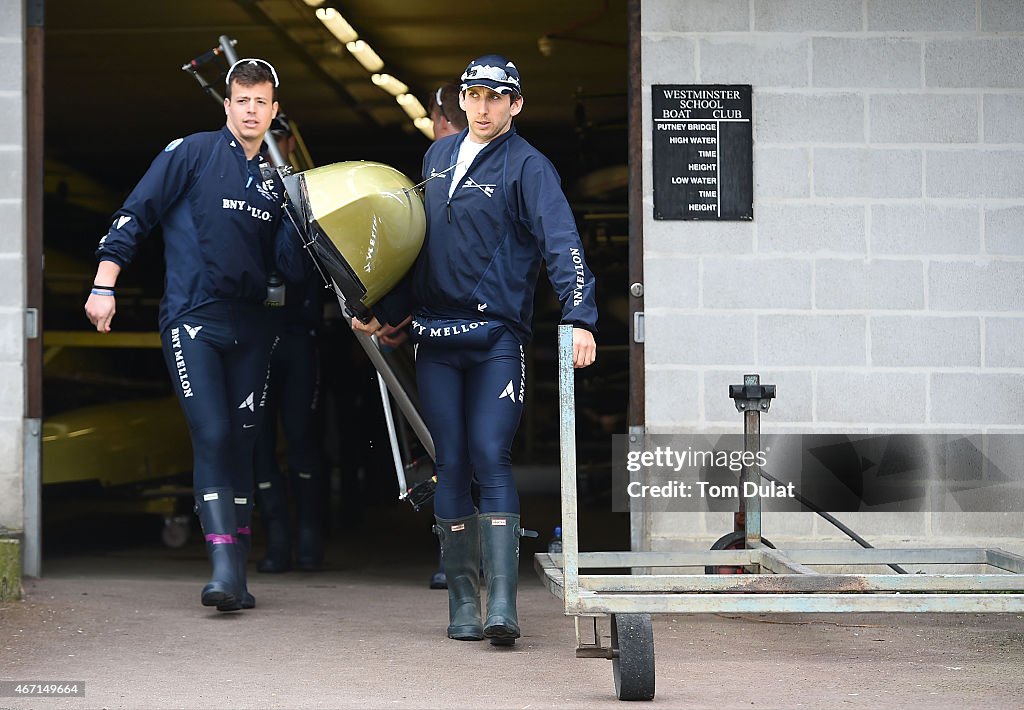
[499, 542]
[460, 550]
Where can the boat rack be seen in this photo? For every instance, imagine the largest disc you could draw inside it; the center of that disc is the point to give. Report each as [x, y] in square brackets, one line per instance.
[773, 580]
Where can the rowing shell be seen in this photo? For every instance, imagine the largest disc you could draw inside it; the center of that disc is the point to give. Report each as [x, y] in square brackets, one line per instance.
[365, 222]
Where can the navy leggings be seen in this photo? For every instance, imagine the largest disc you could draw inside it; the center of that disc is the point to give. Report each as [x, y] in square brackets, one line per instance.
[292, 392]
[217, 356]
[472, 401]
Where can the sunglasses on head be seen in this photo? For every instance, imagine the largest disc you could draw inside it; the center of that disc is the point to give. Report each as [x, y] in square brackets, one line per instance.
[440, 105]
[489, 72]
[253, 60]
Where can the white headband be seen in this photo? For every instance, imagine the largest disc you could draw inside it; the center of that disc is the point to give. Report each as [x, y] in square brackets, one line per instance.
[251, 60]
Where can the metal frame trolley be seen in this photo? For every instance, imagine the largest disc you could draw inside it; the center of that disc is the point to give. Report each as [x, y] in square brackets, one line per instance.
[777, 581]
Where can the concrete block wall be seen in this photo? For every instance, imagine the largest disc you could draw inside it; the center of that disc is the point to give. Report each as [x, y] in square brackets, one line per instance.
[10, 569]
[12, 264]
[886, 253]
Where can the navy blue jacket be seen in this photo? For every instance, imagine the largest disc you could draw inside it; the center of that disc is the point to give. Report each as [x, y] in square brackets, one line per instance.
[221, 221]
[303, 306]
[485, 244]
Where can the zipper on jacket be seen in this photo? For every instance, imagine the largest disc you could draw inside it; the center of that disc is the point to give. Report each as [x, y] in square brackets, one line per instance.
[452, 159]
[451, 164]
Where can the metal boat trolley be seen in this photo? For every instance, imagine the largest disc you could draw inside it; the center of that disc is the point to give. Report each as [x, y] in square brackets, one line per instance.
[776, 581]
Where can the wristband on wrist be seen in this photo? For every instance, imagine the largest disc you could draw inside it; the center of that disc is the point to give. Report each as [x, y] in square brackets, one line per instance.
[106, 288]
[102, 292]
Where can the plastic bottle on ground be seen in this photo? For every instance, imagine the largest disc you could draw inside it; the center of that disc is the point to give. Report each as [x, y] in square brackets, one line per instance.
[555, 544]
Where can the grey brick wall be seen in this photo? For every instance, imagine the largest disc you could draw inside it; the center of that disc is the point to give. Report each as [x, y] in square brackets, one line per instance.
[1003, 231]
[12, 263]
[886, 254]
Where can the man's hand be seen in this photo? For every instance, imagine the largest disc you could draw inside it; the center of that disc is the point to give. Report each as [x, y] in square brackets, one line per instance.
[394, 335]
[100, 311]
[584, 348]
[369, 328]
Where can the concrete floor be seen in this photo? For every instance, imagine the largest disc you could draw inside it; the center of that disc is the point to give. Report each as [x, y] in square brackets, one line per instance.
[123, 616]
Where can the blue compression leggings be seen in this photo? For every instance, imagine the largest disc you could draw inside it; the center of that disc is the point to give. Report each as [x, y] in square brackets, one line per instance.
[217, 356]
[292, 393]
[472, 401]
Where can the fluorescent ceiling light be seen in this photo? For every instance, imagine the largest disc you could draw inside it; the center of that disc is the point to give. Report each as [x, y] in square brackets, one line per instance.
[389, 83]
[412, 106]
[365, 55]
[314, 3]
[337, 24]
[426, 126]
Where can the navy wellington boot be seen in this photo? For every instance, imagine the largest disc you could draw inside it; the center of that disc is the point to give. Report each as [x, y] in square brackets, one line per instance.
[276, 521]
[309, 538]
[460, 550]
[243, 519]
[216, 509]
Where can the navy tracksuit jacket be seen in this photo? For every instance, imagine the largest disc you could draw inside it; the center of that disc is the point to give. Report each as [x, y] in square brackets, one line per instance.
[223, 231]
[479, 262]
[485, 243]
[220, 219]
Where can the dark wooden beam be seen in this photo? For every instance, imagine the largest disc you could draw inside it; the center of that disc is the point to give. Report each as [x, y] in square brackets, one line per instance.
[635, 415]
[34, 203]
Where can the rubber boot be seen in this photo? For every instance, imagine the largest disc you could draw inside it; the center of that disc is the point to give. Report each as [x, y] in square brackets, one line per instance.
[460, 550]
[243, 519]
[309, 544]
[439, 580]
[499, 542]
[216, 510]
[274, 511]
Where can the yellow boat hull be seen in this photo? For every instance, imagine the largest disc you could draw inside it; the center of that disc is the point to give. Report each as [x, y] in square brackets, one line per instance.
[366, 224]
[123, 443]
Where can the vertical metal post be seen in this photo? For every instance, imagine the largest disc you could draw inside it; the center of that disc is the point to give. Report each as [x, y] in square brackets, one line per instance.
[389, 420]
[567, 447]
[752, 472]
[751, 398]
[639, 519]
[394, 385]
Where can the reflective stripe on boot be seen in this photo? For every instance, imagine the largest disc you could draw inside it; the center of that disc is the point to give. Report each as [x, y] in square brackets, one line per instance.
[460, 550]
[499, 543]
[243, 519]
[216, 510]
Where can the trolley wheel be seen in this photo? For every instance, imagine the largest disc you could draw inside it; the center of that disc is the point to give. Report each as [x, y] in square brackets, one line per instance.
[633, 656]
[176, 531]
[731, 541]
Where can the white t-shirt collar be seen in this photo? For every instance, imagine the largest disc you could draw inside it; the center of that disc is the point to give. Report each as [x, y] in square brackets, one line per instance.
[467, 154]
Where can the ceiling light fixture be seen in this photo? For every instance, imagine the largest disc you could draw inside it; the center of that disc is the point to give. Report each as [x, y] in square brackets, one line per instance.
[338, 26]
[371, 61]
[411, 105]
[426, 126]
[365, 55]
[390, 84]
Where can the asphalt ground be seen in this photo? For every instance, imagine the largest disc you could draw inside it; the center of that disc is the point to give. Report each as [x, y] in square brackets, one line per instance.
[120, 612]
